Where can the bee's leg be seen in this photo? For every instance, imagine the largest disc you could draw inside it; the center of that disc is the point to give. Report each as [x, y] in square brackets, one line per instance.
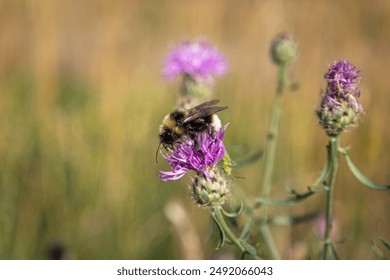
[158, 149]
[197, 147]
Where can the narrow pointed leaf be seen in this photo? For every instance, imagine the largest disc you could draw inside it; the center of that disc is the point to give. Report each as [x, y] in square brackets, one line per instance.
[364, 180]
[343, 240]
[248, 247]
[333, 252]
[222, 237]
[289, 201]
[385, 243]
[246, 229]
[292, 220]
[233, 214]
[322, 254]
[377, 251]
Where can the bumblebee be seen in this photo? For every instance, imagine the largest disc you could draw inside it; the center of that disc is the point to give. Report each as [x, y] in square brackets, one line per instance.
[182, 123]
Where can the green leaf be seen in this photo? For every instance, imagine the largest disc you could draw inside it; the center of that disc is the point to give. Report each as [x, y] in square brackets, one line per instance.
[234, 214]
[343, 240]
[246, 229]
[377, 251]
[364, 180]
[222, 236]
[248, 247]
[333, 252]
[321, 255]
[291, 200]
[385, 243]
[290, 220]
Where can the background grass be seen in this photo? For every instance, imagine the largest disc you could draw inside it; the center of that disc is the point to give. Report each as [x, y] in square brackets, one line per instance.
[81, 98]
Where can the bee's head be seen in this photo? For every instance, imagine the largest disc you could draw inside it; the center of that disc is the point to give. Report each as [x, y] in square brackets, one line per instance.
[167, 136]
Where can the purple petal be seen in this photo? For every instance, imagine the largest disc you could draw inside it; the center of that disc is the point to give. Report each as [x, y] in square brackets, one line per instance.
[198, 59]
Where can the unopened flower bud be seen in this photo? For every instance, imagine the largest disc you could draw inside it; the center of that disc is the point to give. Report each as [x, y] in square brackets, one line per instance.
[336, 119]
[210, 191]
[283, 49]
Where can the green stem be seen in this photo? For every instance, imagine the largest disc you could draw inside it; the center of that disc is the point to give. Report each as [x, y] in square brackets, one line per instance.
[273, 134]
[334, 143]
[269, 160]
[218, 214]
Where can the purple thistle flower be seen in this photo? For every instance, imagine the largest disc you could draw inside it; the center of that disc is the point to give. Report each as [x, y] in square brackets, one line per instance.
[339, 109]
[343, 84]
[343, 79]
[197, 59]
[198, 155]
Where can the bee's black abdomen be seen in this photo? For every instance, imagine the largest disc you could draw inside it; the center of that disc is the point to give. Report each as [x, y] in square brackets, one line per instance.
[199, 125]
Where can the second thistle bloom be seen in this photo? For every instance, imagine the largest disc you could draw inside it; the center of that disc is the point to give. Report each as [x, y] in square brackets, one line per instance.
[199, 154]
[339, 108]
[198, 59]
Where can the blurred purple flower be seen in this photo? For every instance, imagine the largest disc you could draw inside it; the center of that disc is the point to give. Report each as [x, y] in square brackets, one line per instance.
[343, 84]
[197, 59]
[320, 227]
[198, 155]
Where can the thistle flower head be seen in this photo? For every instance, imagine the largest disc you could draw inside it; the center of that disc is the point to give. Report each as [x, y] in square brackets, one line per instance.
[199, 154]
[210, 191]
[197, 59]
[339, 109]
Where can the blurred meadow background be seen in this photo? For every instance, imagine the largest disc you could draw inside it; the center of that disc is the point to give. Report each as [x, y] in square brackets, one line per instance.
[82, 96]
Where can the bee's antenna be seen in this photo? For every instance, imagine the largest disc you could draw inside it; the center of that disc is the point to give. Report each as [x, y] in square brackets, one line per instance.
[158, 148]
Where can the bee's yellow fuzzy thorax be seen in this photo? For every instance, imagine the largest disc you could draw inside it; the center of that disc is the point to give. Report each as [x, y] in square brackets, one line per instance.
[172, 124]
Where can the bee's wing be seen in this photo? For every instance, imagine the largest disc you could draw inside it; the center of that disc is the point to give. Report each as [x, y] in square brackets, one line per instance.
[203, 110]
[208, 103]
